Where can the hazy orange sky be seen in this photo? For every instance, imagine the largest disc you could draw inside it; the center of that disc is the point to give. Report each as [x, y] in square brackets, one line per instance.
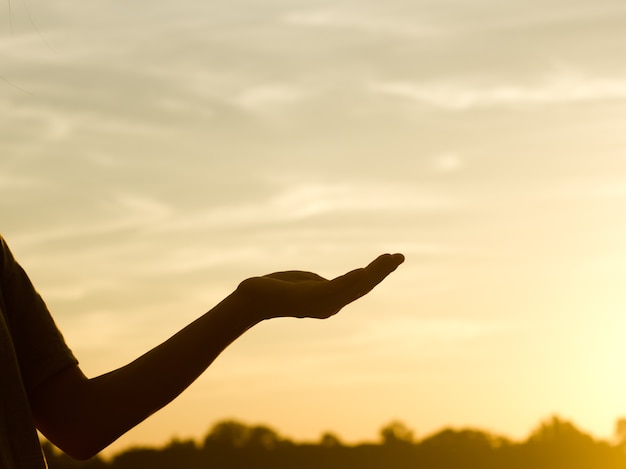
[154, 154]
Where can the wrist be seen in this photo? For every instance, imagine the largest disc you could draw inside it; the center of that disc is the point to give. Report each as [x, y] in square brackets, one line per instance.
[247, 311]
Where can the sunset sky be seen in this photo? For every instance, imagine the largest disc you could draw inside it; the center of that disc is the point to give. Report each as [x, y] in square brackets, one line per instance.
[154, 154]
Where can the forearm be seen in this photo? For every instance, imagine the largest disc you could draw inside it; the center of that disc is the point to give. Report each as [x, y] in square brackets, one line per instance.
[105, 407]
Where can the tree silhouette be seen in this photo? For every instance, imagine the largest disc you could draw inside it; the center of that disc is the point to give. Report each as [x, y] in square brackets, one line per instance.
[396, 432]
[554, 444]
[330, 440]
[559, 443]
[264, 437]
[620, 432]
[229, 433]
[461, 448]
[558, 431]
[233, 434]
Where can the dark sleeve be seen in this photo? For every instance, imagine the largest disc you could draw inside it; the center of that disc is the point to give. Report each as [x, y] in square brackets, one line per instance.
[40, 348]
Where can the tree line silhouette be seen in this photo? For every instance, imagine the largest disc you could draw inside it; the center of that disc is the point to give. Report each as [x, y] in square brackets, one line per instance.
[554, 444]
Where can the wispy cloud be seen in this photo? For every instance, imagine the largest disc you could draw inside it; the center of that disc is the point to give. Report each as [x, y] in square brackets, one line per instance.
[269, 98]
[11, 181]
[395, 340]
[448, 163]
[296, 203]
[361, 20]
[560, 89]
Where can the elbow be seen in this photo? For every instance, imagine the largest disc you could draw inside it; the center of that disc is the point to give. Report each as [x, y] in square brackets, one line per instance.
[79, 453]
[82, 452]
[79, 445]
[63, 414]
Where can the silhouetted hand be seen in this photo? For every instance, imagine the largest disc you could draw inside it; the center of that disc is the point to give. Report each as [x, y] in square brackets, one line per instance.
[306, 294]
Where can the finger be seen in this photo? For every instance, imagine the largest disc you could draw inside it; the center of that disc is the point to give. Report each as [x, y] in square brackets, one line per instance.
[373, 274]
[386, 263]
[354, 284]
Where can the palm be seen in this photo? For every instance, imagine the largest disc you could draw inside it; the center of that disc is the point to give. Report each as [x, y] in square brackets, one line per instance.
[306, 294]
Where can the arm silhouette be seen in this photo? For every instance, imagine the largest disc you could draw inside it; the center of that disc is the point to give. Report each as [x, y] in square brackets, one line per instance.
[82, 416]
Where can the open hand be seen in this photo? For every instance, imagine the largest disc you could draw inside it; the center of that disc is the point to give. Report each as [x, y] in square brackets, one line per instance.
[305, 294]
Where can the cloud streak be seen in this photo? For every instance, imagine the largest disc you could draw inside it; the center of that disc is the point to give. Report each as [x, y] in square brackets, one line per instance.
[561, 89]
[374, 23]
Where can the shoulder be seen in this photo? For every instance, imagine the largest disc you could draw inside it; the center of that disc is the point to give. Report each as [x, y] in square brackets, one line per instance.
[3, 245]
[5, 252]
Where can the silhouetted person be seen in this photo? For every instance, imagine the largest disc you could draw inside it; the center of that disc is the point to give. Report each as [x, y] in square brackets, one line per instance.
[43, 387]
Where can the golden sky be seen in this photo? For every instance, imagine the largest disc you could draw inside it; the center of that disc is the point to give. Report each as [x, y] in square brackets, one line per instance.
[154, 154]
